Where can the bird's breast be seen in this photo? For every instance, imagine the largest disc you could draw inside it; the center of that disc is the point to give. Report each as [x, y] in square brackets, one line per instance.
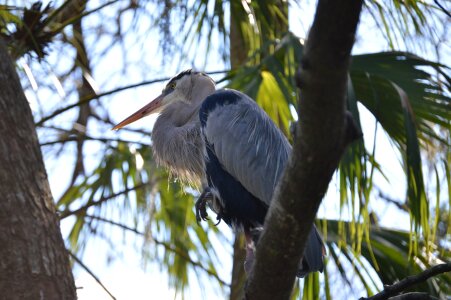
[179, 149]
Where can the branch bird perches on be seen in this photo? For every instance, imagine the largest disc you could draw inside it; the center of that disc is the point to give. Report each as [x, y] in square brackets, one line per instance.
[396, 288]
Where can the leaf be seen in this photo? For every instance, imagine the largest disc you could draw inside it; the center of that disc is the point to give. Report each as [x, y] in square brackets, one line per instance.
[271, 99]
[429, 102]
[407, 102]
[391, 251]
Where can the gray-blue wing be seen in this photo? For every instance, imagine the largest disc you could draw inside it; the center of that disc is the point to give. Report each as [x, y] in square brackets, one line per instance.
[250, 147]
[247, 143]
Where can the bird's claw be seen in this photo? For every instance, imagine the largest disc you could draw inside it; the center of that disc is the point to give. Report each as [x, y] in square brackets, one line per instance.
[218, 218]
[201, 205]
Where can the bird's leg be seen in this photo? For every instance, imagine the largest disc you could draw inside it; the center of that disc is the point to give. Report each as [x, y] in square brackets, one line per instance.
[201, 205]
[251, 242]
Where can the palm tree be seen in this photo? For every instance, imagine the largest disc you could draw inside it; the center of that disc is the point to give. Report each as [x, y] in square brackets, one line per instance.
[408, 97]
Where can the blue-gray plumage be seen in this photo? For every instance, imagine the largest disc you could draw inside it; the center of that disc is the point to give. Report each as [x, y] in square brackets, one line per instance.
[246, 155]
[227, 145]
[245, 140]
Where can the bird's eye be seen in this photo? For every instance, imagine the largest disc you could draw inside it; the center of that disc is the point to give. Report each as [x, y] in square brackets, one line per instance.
[172, 85]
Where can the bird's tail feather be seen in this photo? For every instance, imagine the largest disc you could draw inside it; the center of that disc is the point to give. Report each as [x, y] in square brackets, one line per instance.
[313, 254]
[313, 259]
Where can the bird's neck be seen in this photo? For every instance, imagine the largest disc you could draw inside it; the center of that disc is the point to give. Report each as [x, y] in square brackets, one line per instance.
[182, 113]
[177, 143]
[176, 137]
[179, 114]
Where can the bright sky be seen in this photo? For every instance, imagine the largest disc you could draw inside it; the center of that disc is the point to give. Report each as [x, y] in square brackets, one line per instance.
[125, 276]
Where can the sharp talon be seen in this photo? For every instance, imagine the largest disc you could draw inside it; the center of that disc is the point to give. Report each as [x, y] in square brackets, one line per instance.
[201, 205]
[218, 218]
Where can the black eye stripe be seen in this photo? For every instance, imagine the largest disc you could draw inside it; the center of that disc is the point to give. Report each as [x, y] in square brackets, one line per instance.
[180, 75]
[174, 79]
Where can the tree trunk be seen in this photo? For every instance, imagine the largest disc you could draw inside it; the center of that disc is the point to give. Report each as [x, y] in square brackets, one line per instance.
[238, 273]
[321, 137]
[34, 262]
[238, 55]
[239, 52]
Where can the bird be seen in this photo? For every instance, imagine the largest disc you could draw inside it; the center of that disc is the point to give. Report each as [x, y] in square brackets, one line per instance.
[222, 142]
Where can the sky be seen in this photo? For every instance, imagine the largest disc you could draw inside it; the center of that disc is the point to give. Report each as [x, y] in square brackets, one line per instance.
[126, 276]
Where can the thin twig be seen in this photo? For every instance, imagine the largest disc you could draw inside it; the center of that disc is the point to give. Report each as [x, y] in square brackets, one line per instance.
[95, 116]
[90, 272]
[90, 138]
[97, 96]
[109, 122]
[65, 214]
[394, 289]
[89, 98]
[123, 226]
[401, 206]
[167, 246]
[80, 16]
[442, 8]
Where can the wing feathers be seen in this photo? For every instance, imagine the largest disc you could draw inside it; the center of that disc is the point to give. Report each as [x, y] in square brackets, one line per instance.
[247, 143]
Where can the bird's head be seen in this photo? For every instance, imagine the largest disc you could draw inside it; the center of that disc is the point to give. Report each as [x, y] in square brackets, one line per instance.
[189, 86]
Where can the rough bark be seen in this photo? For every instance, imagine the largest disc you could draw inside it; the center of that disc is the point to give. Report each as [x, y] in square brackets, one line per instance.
[413, 296]
[320, 140]
[238, 50]
[238, 56]
[238, 273]
[390, 291]
[34, 263]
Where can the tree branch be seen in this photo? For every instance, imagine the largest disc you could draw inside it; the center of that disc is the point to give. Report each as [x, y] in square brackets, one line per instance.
[106, 120]
[82, 61]
[320, 140]
[442, 8]
[85, 267]
[67, 135]
[90, 138]
[394, 289]
[84, 208]
[397, 203]
[91, 97]
[414, 296]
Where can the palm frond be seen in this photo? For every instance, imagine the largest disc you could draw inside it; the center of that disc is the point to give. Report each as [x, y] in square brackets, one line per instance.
[410, 104]
[392, 261]
[161, 210]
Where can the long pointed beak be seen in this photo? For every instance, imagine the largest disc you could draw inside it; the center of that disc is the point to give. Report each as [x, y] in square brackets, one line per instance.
[152, 107]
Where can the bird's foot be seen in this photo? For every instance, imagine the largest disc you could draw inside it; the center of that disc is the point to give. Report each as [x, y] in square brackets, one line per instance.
[201, 205]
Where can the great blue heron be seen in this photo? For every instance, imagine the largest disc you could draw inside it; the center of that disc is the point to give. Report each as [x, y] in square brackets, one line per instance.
[224, 142]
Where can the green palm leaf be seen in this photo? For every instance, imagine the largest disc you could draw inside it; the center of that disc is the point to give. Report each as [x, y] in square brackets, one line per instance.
[409, 103]
[158, 208]
[388, 259]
